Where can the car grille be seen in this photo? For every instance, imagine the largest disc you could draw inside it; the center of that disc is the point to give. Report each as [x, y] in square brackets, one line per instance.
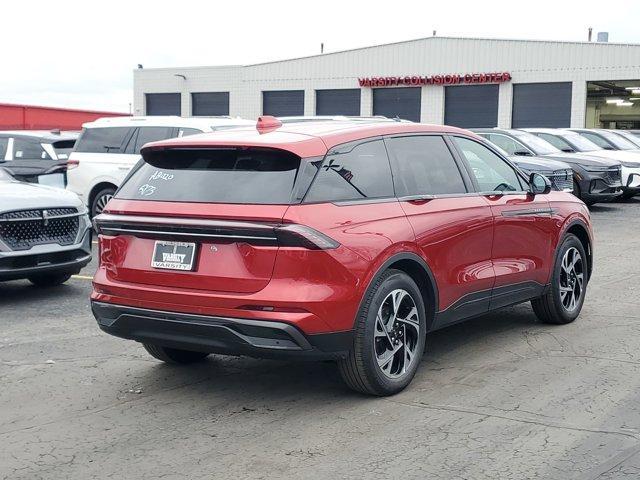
[24, 229]
[562, 180]
[613, 175]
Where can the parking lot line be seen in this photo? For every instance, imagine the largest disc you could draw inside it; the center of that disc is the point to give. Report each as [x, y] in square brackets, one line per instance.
[82, 277]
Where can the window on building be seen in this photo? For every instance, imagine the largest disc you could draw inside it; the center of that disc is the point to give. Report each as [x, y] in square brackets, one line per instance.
[491, 172]
[353, 174]
[424, 165]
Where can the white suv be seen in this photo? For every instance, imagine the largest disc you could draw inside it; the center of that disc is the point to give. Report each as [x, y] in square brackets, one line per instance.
[109, 147]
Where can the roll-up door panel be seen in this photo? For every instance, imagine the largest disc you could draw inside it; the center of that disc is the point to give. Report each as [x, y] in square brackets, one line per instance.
[210, 103]
[473, 106]
[541, 105]
[403, 102]
[344, 101]
[163, 103]
[283, 103]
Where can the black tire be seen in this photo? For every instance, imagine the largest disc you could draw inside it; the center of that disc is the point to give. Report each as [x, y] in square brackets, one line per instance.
[100, 199]
[576, 190]
[49, 279]
[628, 195]
[550, 307]
[174, 355]
[360, 370]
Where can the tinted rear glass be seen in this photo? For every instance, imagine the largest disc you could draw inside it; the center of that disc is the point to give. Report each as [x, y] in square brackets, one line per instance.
[63, 148]
[103, 140]
[252, 176]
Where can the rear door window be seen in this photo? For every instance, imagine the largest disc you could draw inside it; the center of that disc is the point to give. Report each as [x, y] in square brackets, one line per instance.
[424, 165]
[230, 175]
[27, 149]
[152, 134]
[353, 173]
[104, 140]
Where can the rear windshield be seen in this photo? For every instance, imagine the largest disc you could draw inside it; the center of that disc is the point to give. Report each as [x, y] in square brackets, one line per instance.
[63, 148]
[103, 140]
[233, 175]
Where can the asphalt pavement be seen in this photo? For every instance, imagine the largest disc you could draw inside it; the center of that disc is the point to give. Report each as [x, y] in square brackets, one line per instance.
[500, 397]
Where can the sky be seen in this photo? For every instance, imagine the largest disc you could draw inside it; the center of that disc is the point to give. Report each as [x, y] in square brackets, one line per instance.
[80, 54]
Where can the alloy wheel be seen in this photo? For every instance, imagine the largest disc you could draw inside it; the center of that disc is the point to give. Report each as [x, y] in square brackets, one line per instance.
[571, 279]
[102, 202]
[397, 333]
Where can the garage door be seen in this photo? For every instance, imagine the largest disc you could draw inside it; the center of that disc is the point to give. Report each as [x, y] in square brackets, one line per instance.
[397, 102]
[344, 101]
[210, 103]
[283, 103]
[541, 105]
[474, 106]
[162, 103]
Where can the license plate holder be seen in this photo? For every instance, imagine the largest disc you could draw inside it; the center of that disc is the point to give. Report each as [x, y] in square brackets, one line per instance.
[173, 255]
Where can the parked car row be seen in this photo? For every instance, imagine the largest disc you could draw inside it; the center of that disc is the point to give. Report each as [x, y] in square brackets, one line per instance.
[599, 174]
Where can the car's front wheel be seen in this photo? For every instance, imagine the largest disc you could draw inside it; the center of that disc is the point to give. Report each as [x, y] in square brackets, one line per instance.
[389, 337]
[49, 279]
[174, 355]
[564, 300]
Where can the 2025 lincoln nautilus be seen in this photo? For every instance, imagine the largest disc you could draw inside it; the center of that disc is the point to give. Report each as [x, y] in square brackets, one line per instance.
[344, 240]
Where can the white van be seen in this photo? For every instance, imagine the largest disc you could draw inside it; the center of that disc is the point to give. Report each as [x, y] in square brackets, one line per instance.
[109, 147]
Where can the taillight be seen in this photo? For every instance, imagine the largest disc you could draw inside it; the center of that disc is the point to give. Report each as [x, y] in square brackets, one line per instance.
[295, 235]
[71, 164]
[214, 231]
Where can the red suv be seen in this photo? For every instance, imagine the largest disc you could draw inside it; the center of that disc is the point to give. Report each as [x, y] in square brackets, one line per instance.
[345, 240]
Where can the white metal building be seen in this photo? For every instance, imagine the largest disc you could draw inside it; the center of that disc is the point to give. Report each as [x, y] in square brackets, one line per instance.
[468, 82]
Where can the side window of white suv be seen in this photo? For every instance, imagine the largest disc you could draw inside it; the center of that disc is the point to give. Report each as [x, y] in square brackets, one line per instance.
[152, 134]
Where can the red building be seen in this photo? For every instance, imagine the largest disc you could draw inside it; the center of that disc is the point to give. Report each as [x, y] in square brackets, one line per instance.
[29, 117]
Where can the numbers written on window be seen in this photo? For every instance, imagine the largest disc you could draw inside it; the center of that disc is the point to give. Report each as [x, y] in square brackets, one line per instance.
[491, 172]
[424, 165]
[360, 173]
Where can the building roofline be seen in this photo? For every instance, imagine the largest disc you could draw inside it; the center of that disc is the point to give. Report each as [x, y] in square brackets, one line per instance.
[485, 39]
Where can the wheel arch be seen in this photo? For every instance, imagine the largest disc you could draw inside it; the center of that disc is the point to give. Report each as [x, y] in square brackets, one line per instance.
[581, 231]
[96, 188]
[414, 266]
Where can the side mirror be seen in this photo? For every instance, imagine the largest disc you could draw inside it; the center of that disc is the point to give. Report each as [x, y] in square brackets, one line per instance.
[539, 184]
[522, 153]
[568, 150]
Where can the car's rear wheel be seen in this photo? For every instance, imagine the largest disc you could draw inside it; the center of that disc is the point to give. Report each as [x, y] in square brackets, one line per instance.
[101, 199]
[174, 355]
[563, 302]
[389, 337]
[49, 279]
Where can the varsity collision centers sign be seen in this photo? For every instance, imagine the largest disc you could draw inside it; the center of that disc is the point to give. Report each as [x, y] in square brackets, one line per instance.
[419, 80]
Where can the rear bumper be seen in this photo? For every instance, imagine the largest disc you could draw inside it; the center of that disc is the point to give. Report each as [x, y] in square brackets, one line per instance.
[222, 335]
